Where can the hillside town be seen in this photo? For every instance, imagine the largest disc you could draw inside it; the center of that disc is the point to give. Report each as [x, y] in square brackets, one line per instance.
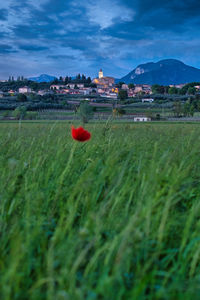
[47, 97]
[105, 87]
[102, 86]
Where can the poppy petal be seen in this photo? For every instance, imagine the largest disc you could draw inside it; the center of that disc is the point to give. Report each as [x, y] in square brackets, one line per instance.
[80, 134]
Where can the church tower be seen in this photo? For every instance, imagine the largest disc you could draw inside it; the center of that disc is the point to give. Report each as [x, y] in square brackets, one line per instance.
[100, 74]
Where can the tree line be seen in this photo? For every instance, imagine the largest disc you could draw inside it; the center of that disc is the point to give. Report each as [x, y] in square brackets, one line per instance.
[15, 84]
[188, 89]
[77, 80]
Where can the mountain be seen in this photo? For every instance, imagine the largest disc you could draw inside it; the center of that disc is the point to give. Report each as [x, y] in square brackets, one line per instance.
[43, 78]
[164, 72]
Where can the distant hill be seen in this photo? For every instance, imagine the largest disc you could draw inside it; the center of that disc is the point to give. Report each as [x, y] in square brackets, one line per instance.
[43, 78]
[164, 72]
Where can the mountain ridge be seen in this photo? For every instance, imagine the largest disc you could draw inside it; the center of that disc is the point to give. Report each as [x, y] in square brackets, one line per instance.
[42, 78]
[163, 72]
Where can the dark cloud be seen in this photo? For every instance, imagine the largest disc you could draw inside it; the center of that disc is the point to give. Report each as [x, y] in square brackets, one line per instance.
[3, 14]
[5, 49]
[25, 32]
[168, 15]
[81, 36]
[63, 57]
[33, 48]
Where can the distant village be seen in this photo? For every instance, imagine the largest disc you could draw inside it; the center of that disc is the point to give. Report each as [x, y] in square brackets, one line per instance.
[102, 86]
[103, 94]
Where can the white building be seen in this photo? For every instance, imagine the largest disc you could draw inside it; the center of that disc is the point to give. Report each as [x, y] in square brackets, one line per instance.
[80, 85]
[57, 87]
[148, 100]
[73, 85]
[142, 119]
[85, 91]
[100, 74]
[44, 92]
[125, 86]
[25, 90]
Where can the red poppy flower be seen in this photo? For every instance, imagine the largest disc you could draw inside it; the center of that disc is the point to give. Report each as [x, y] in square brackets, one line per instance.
[80, 134]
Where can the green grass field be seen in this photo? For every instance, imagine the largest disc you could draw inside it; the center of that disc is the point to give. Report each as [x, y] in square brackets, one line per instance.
[115, 218]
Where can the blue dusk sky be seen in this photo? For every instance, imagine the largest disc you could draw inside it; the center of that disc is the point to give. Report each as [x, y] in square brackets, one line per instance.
[64, 37]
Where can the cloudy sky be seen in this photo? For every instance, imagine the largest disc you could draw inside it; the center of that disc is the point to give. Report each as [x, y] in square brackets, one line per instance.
[65, 37]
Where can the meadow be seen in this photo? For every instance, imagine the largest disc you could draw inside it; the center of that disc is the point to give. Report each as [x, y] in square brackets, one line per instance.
[115, 218]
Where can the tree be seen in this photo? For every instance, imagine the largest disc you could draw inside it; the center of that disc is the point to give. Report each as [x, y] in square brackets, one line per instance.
[34, 97]
[93, 85]
[20, 112]
[166, 89]
[83, 78]
[78, 77]
[34, 86]
[86, 112]
[198, 105]
[123, 95]
[55, 81]
[192, 109]
[186, 87]
[66, 80]
[21, 98]
[182, 91]
[173, 90]
[120, 84]
[149, 114]
[158, 89]
[89, 80]
[191, 91]
[131, 86]
[177, 108]
[158, 117]
[186, 109]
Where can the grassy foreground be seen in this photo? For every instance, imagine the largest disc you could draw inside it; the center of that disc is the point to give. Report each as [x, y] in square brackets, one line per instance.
[115, 218]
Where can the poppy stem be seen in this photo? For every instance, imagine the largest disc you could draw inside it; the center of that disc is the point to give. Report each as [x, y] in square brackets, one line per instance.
[62, 177]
